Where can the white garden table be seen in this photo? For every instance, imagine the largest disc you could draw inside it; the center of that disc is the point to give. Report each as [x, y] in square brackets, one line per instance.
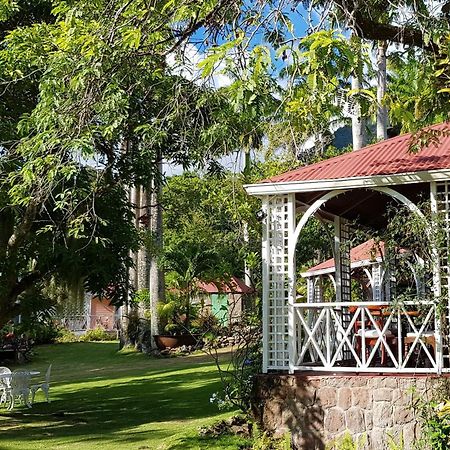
[17, 385]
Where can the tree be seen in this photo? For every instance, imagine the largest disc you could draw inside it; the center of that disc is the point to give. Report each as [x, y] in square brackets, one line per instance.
[50, 245]
[100, 94]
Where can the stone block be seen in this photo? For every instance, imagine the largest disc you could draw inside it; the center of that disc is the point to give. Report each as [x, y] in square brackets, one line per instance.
[391, 382]
[402, 415]
[382, 395]
[334, 421]
[327, 397]
[378, 439]
[382, 414]
[411, 433]
[361, 397]
[354, 418]
[344, 398]
[402, 398]
[368, 419]
[357, 382]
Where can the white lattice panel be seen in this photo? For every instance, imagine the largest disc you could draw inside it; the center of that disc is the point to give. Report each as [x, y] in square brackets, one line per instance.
[345, 269]
[376, 282]
[280, 212]
[442, 204]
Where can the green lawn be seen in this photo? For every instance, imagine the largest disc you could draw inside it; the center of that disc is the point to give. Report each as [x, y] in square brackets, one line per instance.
[102, 398]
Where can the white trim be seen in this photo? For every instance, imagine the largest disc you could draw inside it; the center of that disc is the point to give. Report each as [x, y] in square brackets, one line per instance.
[265, 256]
[437, 288]
[292, 344]
[329, 195]
[379, 370]
[327, 336]
[311, 211]
[346, 183]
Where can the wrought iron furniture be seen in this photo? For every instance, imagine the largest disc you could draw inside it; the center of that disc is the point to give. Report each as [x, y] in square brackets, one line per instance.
[19, 388]
[4, 384]
[44, 387]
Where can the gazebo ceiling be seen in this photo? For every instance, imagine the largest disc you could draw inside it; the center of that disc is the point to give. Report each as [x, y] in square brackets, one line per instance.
[365, 206]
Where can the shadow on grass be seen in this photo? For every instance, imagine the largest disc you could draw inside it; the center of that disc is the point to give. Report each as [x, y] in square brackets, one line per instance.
[117, 408]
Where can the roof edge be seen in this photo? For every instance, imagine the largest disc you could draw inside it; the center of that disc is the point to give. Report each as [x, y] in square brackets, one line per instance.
[286, 187]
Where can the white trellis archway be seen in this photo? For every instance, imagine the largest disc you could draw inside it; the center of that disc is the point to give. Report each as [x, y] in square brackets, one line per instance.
[329, 195]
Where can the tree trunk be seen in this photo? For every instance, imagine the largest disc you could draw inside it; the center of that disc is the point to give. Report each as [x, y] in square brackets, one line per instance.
[142, 256]
[358, 121]
[126, 309]
[382, 118]
[156, 274]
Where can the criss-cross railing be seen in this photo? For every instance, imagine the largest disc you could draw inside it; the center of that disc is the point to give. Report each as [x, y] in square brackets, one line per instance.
[367, 337]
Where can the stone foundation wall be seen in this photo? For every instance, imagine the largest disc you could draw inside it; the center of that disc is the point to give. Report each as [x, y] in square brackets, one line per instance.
[318, 409]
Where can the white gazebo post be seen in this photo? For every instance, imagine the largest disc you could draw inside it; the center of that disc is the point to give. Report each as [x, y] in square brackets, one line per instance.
[278, 259]
[439, 207]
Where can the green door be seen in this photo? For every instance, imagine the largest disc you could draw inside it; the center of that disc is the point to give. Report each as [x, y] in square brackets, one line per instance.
[219, 307]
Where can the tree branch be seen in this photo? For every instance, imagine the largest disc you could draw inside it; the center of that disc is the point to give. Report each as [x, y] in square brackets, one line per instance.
[372, 30]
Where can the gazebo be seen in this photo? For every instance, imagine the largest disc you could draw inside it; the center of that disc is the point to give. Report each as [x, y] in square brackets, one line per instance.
[367, 263]
[345, 335]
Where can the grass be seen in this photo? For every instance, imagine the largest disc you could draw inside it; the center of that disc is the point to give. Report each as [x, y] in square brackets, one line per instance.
[106, 399]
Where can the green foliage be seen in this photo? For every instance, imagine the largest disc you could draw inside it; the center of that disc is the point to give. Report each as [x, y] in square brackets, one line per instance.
[39, 333]
[264, 441]
[346, 442]
[412, 98]
[435, 423]
[174, 312]
[66, 336]
[203, 220]
[141, 297]
[238, 376]
[396, 444]
[98, 334]
[91, 107]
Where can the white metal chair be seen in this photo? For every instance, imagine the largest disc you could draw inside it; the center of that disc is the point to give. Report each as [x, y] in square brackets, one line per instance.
[45, 386]
[19, 388]
[5, 384]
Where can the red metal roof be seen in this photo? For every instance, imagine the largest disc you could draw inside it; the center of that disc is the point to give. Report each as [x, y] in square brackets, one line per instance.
[367, 251]
[234, 285]
[387, 157]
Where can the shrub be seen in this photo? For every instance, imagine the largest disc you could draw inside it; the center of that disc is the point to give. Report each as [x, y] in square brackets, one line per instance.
[98, 334]
[346, 442]
[38, 332]
[65, 336]
[436, 424]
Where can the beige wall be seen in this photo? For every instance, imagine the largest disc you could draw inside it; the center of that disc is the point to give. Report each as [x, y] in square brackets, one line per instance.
[102, 314]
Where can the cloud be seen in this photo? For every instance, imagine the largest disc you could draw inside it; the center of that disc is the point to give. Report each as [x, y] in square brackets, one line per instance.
[186, 64]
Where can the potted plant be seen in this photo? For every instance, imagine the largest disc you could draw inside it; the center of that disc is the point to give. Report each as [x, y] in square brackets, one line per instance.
[175, 315]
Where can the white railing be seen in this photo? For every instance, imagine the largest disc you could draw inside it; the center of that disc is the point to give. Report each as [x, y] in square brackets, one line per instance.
[88, 322]
[366, 337]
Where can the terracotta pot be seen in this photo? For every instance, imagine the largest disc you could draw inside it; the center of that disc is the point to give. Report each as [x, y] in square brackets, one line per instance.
[166, 341]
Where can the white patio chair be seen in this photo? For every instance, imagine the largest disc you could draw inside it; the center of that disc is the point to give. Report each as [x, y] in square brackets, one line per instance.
[19, 388]
[5, 384]
[45, 386]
